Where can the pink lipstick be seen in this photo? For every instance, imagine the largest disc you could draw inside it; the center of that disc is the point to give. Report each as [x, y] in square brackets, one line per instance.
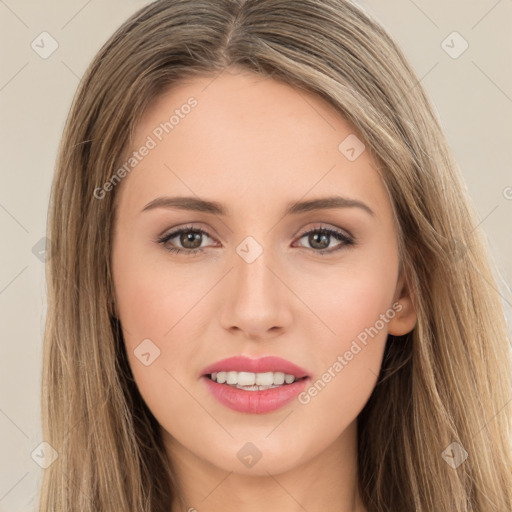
[255, 385]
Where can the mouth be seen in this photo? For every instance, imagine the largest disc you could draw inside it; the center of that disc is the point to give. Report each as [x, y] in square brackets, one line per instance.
[254, 386]
[250, 381]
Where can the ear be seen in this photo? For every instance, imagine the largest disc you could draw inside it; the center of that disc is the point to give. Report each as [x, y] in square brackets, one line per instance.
[405, 318]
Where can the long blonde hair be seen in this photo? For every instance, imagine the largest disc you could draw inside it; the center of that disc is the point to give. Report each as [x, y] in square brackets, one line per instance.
[447, 381]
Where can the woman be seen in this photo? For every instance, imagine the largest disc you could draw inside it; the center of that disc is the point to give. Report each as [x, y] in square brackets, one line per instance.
[266, 287]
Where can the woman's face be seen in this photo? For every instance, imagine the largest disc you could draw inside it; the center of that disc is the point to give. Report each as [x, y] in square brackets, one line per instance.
[265, 282]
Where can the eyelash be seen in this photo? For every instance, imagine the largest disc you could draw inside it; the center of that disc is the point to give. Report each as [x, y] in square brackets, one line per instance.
[338, 235]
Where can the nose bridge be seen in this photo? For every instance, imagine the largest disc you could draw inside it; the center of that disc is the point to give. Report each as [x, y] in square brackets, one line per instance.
[252, 274]
[255, 301]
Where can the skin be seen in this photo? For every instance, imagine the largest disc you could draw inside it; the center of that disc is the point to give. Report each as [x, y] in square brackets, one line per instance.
[255, 145]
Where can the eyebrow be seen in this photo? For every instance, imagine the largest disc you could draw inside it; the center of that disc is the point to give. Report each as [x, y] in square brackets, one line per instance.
[293, 208]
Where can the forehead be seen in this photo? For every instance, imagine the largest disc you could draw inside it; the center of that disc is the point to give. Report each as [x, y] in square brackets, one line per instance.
[263, 108]
[248, 136]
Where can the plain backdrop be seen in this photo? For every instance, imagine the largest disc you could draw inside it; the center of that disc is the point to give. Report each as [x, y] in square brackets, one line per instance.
[471, 89]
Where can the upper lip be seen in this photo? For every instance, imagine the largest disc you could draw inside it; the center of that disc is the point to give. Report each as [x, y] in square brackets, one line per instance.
[260, 365]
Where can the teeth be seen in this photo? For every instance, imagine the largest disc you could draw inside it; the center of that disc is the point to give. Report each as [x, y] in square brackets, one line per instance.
[240, 379]
[231, 378]
[280, 377]
[289, 378]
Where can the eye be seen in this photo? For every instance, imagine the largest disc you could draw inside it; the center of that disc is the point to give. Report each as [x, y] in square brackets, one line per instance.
[189, 237]
[321, 238]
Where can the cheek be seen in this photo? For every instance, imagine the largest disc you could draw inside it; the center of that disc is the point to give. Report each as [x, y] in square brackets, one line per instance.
[170, 305]
[154, 298]
[351, 300]
[153, 314]
[358, 307]
[158, 306]
[355, 306]
[347, 366]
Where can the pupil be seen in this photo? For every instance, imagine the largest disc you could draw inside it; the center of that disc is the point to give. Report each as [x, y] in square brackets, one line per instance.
[191, 237]
[315, 237]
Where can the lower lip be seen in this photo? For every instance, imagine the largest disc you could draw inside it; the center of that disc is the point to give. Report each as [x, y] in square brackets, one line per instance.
[256, 402]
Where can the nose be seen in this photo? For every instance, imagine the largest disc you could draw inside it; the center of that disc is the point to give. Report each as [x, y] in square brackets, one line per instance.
[256, 302]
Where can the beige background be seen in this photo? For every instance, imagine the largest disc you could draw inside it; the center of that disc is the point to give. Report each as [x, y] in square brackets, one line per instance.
[472, 94]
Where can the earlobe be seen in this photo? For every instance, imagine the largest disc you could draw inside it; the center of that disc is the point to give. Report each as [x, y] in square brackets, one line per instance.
[405, 318]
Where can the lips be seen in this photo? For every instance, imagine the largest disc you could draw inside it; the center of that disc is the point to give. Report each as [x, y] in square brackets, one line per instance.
[260, 365]
[264, 400]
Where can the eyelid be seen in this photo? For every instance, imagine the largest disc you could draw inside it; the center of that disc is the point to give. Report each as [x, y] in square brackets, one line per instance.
[343, 236]
[173, 232]
[329, 227]
[318, 225]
